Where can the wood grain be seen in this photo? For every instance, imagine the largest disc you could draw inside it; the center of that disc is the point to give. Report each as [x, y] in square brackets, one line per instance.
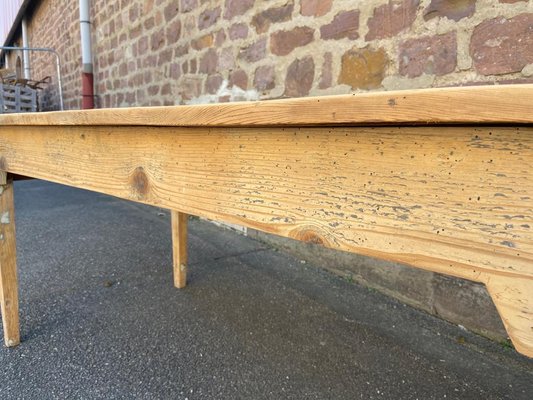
[513, 297]
[455, 200]
[460, 105]
[8, 266]
[179, 247]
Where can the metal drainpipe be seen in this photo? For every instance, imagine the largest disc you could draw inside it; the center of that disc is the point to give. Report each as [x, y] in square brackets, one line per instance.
[86, 57]
[26, 53]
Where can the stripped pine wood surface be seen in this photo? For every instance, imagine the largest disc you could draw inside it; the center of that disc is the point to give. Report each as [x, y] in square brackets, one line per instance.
[8, 265]
[461, 105]
[451, 199]
[179, 247]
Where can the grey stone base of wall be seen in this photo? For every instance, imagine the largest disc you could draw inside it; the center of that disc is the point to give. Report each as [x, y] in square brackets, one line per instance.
[456, 300]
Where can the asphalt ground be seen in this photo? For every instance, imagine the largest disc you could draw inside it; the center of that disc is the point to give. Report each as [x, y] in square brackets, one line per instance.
[100, 318]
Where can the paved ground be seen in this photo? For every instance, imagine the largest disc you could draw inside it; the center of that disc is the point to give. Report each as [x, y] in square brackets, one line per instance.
[101, 319]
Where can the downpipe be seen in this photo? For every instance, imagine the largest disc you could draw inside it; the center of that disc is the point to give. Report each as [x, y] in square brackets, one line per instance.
[87, 78]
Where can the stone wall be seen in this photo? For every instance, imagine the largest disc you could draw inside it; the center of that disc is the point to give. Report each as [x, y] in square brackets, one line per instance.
[162, 52]
[165, 52]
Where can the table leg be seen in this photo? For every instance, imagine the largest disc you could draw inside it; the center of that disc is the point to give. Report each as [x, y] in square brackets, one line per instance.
[179, 247]
[8, 264]
[513, 297]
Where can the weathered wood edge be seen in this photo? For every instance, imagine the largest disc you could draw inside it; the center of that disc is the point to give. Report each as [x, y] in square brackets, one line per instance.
[506, 104]
[178, 224]
[9, 304]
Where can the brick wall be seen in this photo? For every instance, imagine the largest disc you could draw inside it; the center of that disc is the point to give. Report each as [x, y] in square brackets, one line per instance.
[162, 52]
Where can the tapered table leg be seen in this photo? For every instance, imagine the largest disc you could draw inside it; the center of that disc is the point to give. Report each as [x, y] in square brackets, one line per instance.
[8, 264]
[179, 247]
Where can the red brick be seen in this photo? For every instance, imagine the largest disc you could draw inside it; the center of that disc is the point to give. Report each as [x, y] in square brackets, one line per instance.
[213, 83]
[315, 8]
[300, 76]
[102, 62]
[153, 90]
[455, 10]
[344, 25]
[135, 31]
[265, 77]
[148, 6]
[254, 52]
[143, 45]
[193, 66]
[283, 42]
[158, 18]
[237, 7]
[181, 50]
[157, 40]
[165, 56]
[149, 23]
[123, 69]
[134, 13]
[238, 78]
[188, 5]
[149, 61]
[174, 71]
[226, 60]
[208, 18]
[191, 87]
[363, 68]
[502, 46]
[220, 38]
[262, 21]
[173, 31]
[171, 11]
[208, 63]
[130, 98]
[166, 89]
[238, 31]
[391, 18]
[107, 101]
[141, 78]
[432, 55]
[202, 42]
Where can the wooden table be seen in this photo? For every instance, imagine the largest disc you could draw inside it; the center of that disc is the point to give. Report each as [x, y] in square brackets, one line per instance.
[439, 179]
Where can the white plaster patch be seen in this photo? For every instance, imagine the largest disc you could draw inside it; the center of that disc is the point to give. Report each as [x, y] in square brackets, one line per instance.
[234, 94]
[4, 219]
[528, 70]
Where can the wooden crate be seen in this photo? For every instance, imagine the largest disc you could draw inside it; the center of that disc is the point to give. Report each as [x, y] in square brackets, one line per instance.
[17, 99]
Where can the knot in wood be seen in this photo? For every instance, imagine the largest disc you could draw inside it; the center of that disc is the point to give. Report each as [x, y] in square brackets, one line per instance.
[310, 234]
[140, 184]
